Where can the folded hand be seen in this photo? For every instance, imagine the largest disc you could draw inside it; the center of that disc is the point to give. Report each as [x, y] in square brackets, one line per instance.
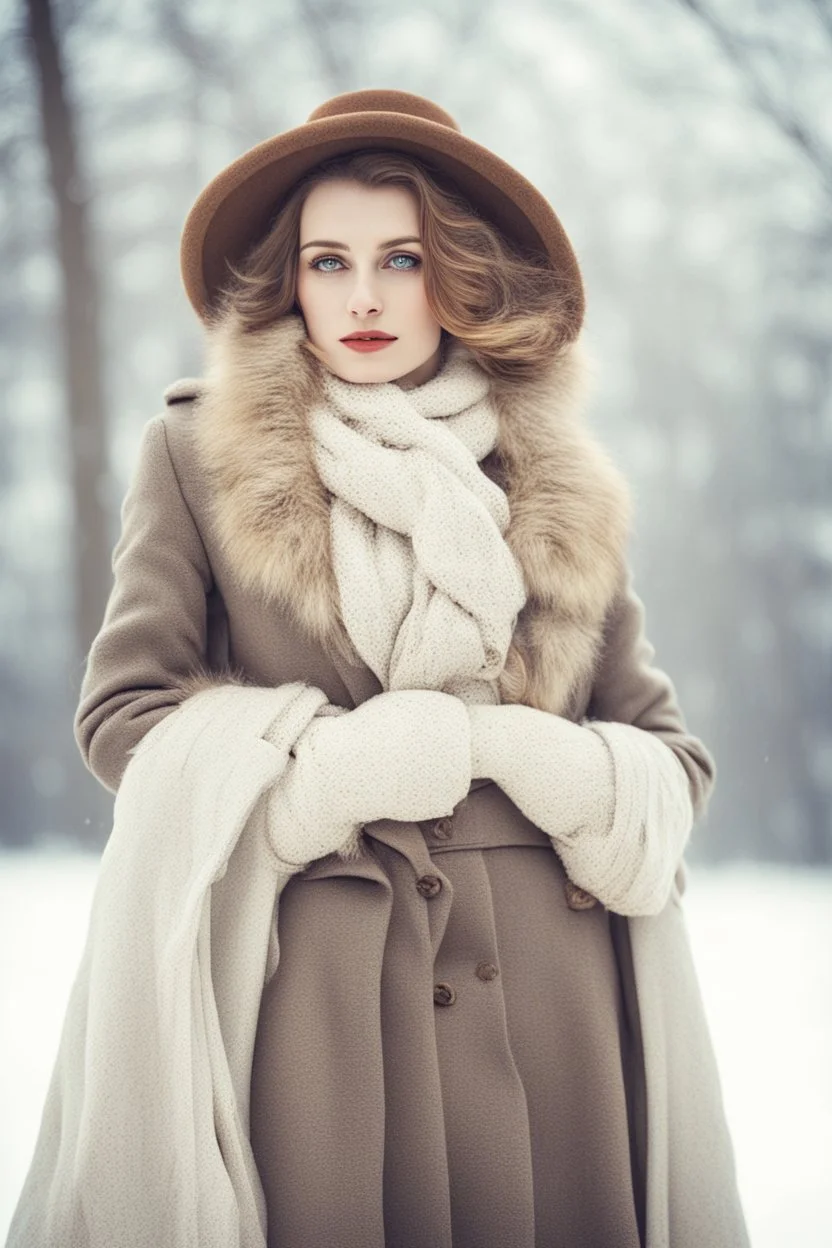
[403, 755]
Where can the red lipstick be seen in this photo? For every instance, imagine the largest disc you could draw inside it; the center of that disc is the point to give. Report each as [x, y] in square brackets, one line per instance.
[368, 340]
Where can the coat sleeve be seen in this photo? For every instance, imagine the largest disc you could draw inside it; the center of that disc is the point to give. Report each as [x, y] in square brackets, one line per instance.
[154, 634]
[629, 689]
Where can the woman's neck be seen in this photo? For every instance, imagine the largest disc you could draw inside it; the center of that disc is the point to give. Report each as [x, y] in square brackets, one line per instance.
[424, 372]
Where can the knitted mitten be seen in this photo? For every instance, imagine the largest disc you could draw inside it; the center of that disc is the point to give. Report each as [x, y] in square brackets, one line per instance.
[401, 755]
[614, 798]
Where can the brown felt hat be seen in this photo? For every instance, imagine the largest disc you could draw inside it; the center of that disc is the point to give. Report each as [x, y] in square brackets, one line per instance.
[238, 205]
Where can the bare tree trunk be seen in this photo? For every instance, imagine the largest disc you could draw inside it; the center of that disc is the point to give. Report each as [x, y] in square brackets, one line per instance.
[79, 324]
[86, 812]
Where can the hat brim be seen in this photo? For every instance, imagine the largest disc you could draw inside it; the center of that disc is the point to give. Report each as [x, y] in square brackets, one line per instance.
[237, 206]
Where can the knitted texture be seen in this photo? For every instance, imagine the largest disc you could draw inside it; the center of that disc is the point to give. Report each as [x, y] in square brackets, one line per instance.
[614, 799]
[429, 589]
[403, 755]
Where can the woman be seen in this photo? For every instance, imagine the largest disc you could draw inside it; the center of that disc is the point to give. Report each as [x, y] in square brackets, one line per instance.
[484, 1029]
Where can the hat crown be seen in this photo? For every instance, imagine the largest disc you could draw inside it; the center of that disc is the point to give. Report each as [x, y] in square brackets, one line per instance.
[374, 101]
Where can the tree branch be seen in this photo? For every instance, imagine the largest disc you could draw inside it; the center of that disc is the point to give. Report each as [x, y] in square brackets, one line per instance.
[786, 120]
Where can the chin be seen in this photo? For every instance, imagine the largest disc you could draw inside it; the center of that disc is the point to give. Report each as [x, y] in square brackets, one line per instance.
[365, 369]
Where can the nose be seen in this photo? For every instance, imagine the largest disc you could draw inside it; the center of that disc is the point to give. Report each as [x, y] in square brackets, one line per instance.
[364, 299]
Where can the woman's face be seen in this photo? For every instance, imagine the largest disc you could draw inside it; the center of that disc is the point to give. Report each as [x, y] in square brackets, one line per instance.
[360, 272]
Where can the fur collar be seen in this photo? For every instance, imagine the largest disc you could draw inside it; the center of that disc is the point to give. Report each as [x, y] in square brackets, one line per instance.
[569, 504]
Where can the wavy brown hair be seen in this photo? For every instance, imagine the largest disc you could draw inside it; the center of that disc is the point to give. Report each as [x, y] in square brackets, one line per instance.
[510, 308]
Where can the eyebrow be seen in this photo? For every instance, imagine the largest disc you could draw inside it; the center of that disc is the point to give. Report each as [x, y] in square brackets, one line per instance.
[328, 242]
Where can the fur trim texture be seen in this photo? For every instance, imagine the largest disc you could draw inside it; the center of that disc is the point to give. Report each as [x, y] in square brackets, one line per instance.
[569, 504]
[204, 677]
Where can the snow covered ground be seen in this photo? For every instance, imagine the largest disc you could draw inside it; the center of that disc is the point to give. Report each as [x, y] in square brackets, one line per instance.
[763, 943]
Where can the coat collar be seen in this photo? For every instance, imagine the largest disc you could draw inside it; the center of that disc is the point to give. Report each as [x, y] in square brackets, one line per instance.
[569, 505]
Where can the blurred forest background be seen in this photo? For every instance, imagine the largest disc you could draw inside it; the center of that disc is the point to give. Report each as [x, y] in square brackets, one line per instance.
[686, 146]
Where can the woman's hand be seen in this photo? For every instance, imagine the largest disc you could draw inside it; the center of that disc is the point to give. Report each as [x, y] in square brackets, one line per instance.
[401, 755]
[614, 798]
[558, 773]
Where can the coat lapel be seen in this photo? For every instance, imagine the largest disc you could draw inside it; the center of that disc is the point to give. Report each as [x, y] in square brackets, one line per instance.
[569, 505]
[360, 680]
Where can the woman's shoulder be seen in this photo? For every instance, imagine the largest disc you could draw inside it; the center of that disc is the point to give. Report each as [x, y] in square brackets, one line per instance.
[178, 417]
[173, 428]
[183, 391]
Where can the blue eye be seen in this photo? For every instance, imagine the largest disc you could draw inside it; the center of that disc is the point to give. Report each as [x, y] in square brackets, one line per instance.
[413, 261]
[325, 260]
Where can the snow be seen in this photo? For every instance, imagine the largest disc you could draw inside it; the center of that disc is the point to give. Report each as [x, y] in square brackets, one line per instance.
[761, 938]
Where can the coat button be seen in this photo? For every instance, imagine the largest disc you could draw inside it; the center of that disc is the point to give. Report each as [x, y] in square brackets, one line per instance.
[486, 971]
[443, 829]
[429, 885]
[578, 898]
[443, 994]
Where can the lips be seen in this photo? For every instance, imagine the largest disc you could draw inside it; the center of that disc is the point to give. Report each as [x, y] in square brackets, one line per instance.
[368, 335]
[372, 340]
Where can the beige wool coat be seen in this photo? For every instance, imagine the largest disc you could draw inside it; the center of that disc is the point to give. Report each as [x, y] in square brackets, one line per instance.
[223, 572]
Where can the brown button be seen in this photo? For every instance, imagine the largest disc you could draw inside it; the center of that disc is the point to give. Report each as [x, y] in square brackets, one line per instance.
[429, 885]
[486, 971]
[443, 994]
[578, 898]
[443, 829]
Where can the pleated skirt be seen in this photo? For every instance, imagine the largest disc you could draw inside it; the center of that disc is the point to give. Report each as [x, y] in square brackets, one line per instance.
[448, 1055]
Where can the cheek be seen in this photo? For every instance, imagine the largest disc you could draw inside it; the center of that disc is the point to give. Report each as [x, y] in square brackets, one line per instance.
[309, 301]
[421, 312]
[302, 293]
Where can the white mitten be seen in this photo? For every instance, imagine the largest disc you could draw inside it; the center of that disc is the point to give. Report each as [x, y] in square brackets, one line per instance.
[559, 774]
[614, 798]
[401, 755]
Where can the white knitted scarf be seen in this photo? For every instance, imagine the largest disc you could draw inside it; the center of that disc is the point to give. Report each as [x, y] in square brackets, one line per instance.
[429, 589]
